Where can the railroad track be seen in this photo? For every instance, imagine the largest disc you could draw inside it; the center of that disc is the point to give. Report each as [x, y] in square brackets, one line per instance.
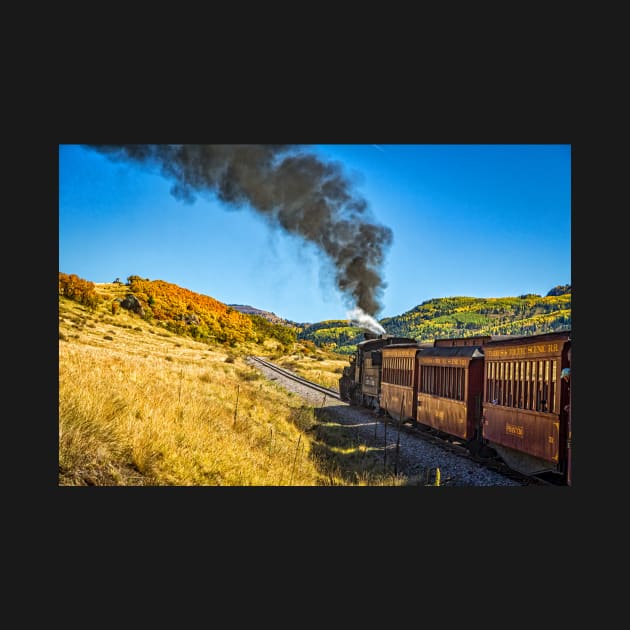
[424, 434]
[320, 388]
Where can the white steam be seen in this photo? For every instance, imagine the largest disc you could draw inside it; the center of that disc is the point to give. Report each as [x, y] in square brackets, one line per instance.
[359, 318]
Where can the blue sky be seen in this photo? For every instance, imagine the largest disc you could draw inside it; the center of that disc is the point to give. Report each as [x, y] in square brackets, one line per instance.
[467, 220]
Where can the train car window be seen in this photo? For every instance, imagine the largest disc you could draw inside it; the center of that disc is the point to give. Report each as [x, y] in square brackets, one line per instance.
[546, 387]
[509, 369]
[446, 382]
[533, 385]
[526, 404]
[530, 385]
[508, 384]
[500, 390]
[540, 393]
[497, 384]
[552, 388]
[489, 392]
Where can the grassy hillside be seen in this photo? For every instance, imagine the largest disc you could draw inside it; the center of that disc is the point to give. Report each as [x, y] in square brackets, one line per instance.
[140, 404]
[456, 317]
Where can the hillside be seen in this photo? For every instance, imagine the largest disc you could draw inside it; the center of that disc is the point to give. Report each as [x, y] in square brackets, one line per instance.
[457, 317]
[176, 310]
[142, 405]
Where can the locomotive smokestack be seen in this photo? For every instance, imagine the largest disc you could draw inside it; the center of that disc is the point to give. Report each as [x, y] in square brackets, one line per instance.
[294, 190]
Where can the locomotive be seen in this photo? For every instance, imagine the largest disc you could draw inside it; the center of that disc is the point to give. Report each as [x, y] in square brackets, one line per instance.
[360, 383]
[499, 395]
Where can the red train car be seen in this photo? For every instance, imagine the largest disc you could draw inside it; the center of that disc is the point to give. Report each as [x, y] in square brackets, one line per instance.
[526, 402]
[450, 388]
[399, 380]
[499, 394]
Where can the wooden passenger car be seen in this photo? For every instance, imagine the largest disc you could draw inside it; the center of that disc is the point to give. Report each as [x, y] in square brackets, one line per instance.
[450, 388]
[398, 380]
[525, 416]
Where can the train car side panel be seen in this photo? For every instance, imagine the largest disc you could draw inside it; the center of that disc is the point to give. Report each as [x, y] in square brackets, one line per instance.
[397, 401]
[525, 418]
[448, 416]
[523, 431]
[398, 380]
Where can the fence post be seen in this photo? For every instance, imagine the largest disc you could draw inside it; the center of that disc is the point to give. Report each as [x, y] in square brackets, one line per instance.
[238, 389]
[385, 449]
[295, 458]
[402, 404]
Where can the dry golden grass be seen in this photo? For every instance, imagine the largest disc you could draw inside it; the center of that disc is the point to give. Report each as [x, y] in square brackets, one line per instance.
[141, 406]
[324, 368]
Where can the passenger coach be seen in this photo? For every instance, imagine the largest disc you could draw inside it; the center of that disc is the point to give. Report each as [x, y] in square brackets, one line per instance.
[526, 402]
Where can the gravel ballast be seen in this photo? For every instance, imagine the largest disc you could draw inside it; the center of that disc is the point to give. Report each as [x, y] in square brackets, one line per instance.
[416, 456]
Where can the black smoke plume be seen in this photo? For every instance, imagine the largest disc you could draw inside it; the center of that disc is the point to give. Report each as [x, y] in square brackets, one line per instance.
[295, 190]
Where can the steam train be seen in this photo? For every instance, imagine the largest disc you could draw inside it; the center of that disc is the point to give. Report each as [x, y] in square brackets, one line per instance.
[501, 395]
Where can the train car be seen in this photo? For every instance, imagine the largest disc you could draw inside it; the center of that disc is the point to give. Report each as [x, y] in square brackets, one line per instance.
[449, 389]
[360, 383]
[499, 394]
[398, 380]
[526, 402]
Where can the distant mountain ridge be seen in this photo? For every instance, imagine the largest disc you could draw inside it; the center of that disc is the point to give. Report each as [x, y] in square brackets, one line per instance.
[268, 315]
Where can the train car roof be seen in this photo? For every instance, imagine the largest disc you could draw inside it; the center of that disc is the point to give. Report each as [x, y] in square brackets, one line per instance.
[379, 342]
[472, 352]
[519, 339]
[473, 340]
